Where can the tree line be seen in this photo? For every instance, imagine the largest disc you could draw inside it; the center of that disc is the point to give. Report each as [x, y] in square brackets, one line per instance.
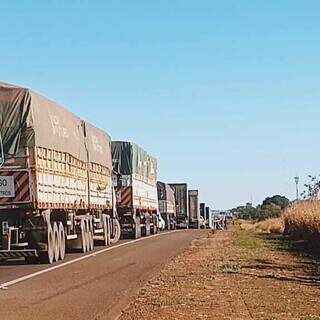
[271, 207]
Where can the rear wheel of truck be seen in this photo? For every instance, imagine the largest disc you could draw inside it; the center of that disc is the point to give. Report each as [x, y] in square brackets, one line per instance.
[168, 222]
[117, 231]
[174, 225]
[137, 228]
[146, 229]
[87, 234]
[83, 236]
[48, 256]
[90, 235]
[105, 230]
[56, 240]
[154, 229]
[62, 238]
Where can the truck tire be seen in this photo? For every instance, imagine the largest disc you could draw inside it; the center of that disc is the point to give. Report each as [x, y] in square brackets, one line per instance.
[174, 225]
[146, 229]
[137, 228]
[90, 235]
[148, 226]
[154, 229]
[106, 230]
[56, 241]
[62, 237]
[168, 222]
[83, 236]
[117, 231]
[48, 256]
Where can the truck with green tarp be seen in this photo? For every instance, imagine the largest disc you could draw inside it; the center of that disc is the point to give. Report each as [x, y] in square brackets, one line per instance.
[135, 180]
[181, 202]
[167, 205]
[56, 189]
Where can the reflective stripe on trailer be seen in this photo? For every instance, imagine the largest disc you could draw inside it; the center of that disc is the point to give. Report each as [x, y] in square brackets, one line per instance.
[18, 253]
[21, 186]
[124, 196]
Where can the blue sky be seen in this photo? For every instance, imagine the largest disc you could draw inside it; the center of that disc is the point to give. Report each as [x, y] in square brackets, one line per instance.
[224, 93]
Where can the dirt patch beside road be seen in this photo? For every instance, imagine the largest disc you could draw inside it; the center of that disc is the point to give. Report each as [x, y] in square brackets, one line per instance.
[233, 275]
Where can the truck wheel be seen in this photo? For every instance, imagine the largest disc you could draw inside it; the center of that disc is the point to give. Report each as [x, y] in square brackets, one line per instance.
[137, 229]
[154, 229]
[117, 231]
[90, 234]
[87, 234]
[168, 223]
[83, 236]
[48, 256]
[105, 229]
[174, 225]
[62, 238]
[56, 238]
[147, 226]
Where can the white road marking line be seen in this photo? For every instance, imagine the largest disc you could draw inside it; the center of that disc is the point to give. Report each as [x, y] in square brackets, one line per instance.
[6, 285]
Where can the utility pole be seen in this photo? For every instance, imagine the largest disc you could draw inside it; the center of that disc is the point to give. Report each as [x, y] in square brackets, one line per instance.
[296, 180]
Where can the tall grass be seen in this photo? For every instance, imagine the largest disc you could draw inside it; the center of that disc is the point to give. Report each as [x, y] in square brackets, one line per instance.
[272, 225]
[302, 220]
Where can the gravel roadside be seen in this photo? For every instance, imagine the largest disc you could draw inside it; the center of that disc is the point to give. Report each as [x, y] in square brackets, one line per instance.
[232, 275]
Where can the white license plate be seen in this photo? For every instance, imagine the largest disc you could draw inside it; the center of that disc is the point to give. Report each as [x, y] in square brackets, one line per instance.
[7, 187]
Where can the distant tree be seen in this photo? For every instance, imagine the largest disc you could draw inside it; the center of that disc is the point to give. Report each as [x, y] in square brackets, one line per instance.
[278, 200]
[312, 188]
[247, 212]
[271, 207]
[270, 210]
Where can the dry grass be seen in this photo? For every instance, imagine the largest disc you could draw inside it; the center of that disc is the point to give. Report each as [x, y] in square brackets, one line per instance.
[302, 220]
[274, 225]
[245, 225]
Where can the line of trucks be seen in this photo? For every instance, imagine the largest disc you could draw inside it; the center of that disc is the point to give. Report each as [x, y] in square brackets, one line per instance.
[65, 185]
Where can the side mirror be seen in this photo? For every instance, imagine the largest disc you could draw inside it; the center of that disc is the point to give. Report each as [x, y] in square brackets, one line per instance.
[1, 152]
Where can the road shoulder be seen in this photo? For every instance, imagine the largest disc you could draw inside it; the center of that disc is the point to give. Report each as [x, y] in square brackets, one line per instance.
[232, 275]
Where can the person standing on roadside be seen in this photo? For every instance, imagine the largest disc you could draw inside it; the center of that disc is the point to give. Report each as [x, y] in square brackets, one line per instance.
[225, 225]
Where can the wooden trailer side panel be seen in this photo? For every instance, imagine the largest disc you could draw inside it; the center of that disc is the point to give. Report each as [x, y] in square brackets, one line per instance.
[145, 195]
[60, 180]
[100, 182]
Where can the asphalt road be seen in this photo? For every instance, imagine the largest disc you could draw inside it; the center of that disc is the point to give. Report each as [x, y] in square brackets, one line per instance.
[97, 287]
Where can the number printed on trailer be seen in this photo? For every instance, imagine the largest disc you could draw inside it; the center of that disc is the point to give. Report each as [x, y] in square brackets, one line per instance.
[7, 187]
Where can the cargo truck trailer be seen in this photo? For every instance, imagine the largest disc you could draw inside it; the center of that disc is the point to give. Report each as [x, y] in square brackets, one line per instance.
[203, 210]
[56, 190]
[135, 177]
[181, 200]
[167, 205]
[194, 209]
[210, 217]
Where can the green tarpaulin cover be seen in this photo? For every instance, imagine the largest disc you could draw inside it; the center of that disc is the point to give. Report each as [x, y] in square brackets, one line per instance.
[128, 158]
[28, 119]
